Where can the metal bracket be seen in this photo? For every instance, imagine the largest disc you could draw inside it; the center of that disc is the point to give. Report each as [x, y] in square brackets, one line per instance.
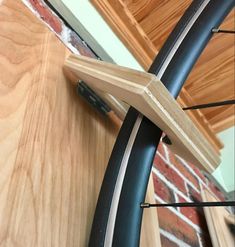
[86, 92]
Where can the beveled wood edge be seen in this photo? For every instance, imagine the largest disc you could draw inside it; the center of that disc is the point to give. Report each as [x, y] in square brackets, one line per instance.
[224, 124]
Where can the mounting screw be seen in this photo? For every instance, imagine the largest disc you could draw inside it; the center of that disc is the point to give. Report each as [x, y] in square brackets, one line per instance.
[166, 140]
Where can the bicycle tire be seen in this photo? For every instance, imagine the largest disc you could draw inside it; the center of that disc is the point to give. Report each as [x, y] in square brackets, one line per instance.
[118, 215]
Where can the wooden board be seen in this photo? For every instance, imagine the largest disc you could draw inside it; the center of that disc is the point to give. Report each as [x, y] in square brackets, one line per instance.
[53, 146]
[216, 218]
[128, 30]
[147, 94]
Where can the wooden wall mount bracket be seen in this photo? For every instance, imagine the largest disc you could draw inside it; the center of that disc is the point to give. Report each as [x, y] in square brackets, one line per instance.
[148, 95]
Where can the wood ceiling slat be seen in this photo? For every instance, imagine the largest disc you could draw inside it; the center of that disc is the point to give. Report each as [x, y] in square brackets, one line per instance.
[129, 31]
[214, 84]
[159, 23]
[224, 119]
[218, 55]
[140, 9]
[212, 79]
[200, 120]
[217, 110]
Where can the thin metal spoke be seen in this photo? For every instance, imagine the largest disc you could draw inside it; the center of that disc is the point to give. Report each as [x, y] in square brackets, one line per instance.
[213, 104]
[189, 204]
[217, 30]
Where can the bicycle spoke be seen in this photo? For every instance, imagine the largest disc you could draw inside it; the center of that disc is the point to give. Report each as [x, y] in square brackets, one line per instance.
[214, 104]
[189, 204]
[216, 30]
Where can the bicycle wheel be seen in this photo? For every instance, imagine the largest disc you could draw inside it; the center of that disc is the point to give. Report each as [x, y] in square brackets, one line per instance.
[118, 215]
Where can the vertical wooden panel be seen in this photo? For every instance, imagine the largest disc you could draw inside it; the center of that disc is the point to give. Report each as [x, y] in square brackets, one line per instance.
[53, 146]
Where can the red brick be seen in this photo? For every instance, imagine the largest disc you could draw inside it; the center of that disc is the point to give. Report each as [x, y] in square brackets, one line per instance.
[190, 213]
[171, 156]
[216, 191]
[169, 173]
[197, 171]
[162, 190]
[79, 45]
[171, 223]
[161, 150]
[165, 242]
[194, 195]
[194, 167]
[185, 172]
[47, 15]
[196, 215]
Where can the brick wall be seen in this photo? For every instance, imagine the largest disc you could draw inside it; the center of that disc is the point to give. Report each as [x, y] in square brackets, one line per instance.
[175, 180]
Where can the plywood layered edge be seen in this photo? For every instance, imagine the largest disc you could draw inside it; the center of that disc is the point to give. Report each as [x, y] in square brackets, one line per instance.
[147, 94]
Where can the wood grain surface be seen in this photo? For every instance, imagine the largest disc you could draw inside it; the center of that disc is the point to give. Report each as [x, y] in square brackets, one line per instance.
[200, 121]
[148, 95]
[53, 146]
[216, 218]
[129, 31]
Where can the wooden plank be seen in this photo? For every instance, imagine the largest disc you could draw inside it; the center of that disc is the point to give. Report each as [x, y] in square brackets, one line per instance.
[222, 118]
[147, 94]
[216, 217]
[230, 219]
[50, 170]
[141, 9]
[161, 20]
[129, 31]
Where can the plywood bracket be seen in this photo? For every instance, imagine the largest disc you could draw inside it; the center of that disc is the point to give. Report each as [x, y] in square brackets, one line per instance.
[148, 95]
